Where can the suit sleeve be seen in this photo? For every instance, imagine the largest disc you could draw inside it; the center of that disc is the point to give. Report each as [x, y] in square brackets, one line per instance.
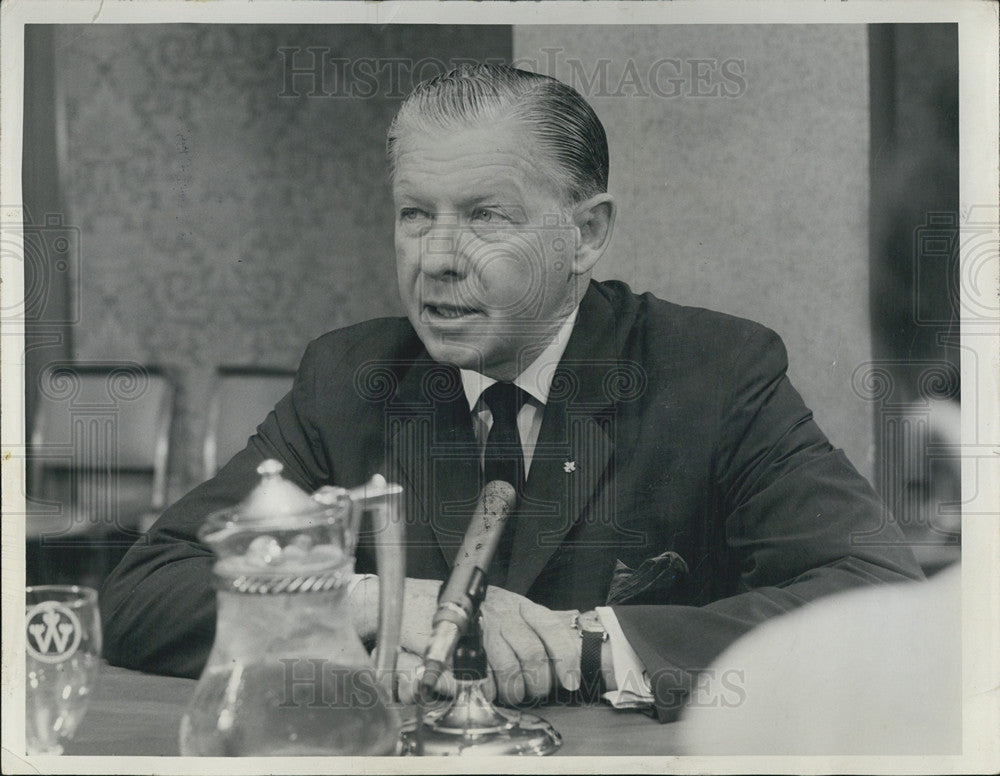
[799, 523]
[158, 605]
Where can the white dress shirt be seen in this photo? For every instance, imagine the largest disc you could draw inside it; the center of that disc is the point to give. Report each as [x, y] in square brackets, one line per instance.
[536, 380]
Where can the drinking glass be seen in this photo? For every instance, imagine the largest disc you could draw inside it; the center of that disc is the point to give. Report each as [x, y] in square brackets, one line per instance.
[63, 635]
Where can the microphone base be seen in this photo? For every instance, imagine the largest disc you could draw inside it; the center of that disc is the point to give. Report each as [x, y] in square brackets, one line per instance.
[469, 724]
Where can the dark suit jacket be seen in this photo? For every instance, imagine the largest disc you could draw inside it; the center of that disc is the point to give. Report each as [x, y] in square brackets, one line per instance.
[684, 433]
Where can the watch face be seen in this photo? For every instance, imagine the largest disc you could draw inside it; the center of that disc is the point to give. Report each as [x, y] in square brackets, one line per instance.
[591, 622]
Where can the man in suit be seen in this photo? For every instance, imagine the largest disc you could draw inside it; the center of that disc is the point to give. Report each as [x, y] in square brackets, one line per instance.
[673, 488]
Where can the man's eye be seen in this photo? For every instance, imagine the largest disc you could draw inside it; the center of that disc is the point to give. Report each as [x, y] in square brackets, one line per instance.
[488, 215]
[411, 214]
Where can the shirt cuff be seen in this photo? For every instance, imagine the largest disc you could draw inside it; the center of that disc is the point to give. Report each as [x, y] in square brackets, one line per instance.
[633, 686]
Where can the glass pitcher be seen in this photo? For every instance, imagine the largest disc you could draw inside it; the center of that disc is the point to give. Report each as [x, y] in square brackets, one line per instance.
[288, 674]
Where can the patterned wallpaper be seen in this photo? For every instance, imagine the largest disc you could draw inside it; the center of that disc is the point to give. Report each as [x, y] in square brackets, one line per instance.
[222, 219]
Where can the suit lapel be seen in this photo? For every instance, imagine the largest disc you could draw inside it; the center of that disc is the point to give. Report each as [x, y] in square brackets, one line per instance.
[434, 450]
[435, 454]
[574, 448]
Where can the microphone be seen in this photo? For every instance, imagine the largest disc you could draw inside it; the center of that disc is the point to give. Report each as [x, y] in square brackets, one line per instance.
[464, 591]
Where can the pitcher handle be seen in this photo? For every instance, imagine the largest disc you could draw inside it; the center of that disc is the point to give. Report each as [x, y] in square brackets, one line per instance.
[384, 501]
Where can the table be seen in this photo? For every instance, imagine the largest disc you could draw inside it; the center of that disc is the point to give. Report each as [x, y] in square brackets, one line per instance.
[139, 714]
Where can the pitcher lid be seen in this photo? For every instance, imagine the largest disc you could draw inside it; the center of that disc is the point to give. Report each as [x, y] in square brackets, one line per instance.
[278, 539]
[274, 497]
[274, 504]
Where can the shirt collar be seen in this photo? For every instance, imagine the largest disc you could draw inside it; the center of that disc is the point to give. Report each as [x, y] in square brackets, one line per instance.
[536, 379]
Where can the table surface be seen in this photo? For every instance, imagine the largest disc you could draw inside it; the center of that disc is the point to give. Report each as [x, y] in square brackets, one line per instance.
[140, 714]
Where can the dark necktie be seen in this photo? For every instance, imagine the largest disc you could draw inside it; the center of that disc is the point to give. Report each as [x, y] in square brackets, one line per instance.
[504, 460]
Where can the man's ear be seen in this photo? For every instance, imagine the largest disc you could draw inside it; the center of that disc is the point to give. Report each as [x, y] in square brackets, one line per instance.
[595, 220]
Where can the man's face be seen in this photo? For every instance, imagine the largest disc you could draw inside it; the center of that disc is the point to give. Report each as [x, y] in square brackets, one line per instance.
[484, 247]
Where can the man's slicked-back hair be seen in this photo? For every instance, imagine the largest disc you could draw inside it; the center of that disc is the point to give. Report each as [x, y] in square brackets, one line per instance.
[570, 137]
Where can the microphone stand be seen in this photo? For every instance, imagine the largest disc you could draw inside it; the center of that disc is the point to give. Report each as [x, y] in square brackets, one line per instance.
[469, 724]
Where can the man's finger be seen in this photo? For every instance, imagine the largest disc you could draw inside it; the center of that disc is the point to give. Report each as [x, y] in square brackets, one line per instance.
[506, 667]
[490, 688]
[561, 640]
[408, 669]
[536, 672]
[420, 603]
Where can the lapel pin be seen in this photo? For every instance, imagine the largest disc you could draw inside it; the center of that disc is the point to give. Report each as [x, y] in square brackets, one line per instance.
[569, 467]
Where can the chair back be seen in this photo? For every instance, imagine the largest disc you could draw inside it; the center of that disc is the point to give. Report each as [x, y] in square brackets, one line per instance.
[241, 399]
[100, 441]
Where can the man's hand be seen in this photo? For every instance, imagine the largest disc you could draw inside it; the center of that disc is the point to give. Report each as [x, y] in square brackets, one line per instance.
[531, 649]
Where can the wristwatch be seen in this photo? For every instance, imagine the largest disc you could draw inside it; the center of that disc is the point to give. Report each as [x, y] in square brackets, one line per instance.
[593, 636]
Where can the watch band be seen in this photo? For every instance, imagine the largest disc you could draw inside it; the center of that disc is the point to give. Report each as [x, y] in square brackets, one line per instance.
[591, 676]
[593, 636]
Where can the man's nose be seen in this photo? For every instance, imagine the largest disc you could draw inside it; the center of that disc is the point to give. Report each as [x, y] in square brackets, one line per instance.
[443, 249]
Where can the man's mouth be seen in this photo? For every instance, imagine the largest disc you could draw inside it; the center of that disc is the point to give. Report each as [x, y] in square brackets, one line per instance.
[448, 312]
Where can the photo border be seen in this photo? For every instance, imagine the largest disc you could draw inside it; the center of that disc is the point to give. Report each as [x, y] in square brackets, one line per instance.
[979, 184]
